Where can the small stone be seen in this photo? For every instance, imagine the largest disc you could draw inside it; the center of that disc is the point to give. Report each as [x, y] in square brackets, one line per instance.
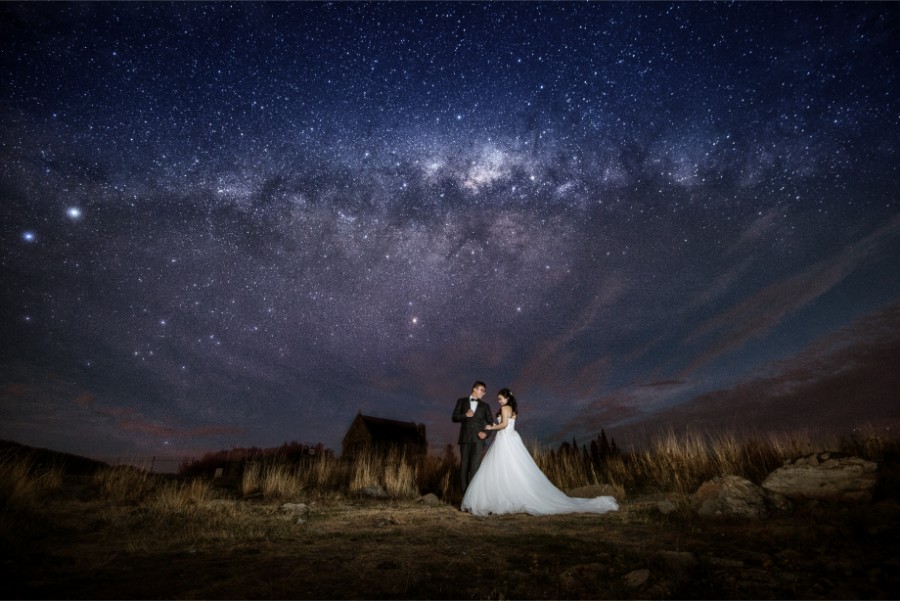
[295, 508]
[637, 578]
[678, 562]
[430, 499]
[374, 492]
[583, 577]
[666, 507]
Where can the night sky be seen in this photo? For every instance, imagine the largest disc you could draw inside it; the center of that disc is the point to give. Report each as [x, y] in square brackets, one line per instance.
[240, 225]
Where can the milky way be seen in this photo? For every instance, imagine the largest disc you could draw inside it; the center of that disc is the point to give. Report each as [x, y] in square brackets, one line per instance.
[243, 224]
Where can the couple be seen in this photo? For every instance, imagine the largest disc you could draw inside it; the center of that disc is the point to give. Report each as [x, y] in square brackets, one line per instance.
[507, 480]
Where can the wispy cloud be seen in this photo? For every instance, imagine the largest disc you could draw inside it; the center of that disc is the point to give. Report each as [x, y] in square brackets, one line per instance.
[556, 355]
[845, 379]
[625, 405]
[757, 315]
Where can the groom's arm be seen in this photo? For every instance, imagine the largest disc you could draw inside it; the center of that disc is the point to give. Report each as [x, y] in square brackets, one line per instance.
[459, 412]
[488, 418]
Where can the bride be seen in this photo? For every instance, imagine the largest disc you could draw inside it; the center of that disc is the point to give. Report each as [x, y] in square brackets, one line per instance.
[509, 481]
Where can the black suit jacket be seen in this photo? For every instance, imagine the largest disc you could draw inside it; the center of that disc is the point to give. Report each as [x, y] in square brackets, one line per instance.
[471, 426]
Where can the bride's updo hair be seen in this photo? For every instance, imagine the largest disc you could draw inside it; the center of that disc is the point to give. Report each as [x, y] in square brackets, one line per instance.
[510, 400]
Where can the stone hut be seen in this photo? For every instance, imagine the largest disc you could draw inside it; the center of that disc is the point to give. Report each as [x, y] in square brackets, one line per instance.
[367, 434]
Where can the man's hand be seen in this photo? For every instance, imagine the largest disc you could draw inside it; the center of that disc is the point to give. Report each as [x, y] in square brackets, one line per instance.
[470, 413]
[482, 435]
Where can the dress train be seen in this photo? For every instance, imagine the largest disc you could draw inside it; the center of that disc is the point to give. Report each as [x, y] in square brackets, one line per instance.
[509, 481]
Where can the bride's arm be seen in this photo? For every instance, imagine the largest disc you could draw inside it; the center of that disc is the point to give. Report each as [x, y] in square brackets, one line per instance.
[505, 413]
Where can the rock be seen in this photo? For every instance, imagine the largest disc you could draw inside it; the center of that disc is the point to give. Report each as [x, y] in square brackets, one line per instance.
[824, 476]
[730, 496]
[637, 578]
[374, 492]
[666, 507]
[722, 562]
[678, 562]
[779, 503]
[430, 499]
[582, 577]
[294, 508]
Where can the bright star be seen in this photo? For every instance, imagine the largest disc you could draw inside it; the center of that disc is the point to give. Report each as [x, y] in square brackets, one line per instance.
[73, 213]
[29, 236]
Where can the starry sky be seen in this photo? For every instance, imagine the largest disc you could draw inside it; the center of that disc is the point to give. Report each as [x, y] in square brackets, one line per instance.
[242, 224]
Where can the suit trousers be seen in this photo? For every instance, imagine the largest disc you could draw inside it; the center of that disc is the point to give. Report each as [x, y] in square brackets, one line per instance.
[470, 454]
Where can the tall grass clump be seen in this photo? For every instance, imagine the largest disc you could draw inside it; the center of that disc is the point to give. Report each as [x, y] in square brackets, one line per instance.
[281, 481]
[322, 474]
[439, 475]
[393, 471]
[125, 484]
[272, 479]
[565, 470]
[365, 471]
[682, 462]
[875, 443]
[180, 497]
[22, 483]
[401, 475]
[400, 479]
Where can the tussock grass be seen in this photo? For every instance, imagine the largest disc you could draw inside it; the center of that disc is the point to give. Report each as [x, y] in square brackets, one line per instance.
[680, 463]
[272, 480]
[125, 484]
[393, 471]
[565, 470]
[181, 497]
[22, 483]
[672, 462]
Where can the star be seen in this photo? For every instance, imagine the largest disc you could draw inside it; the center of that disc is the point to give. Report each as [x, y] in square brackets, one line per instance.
[577, 200]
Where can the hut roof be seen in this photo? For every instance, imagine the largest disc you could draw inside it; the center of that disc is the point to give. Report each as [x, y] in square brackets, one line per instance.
[391, 430]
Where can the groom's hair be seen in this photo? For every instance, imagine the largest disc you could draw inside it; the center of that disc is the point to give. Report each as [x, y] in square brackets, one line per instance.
[479, 383]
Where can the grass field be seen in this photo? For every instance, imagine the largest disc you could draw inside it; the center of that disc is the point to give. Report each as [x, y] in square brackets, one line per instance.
[123, 532]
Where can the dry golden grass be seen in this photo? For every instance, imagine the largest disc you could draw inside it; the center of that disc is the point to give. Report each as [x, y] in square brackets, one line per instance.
[394, 472]
[680, 463]
[199, 539]
[565, 470]
[676, 463]
[22, 483]
[180, 497]
[125, 484]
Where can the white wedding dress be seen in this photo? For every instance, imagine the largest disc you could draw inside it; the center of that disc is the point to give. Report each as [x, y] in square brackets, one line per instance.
[509, 481]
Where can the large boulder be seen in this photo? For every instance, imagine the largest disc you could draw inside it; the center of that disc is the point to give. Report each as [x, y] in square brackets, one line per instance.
[824, 476]
[730, 496]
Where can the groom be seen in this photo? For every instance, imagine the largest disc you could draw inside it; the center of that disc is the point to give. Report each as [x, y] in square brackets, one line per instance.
[473, 414]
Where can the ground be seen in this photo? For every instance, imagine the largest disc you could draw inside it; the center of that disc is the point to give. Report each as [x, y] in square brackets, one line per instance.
[353, 549]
